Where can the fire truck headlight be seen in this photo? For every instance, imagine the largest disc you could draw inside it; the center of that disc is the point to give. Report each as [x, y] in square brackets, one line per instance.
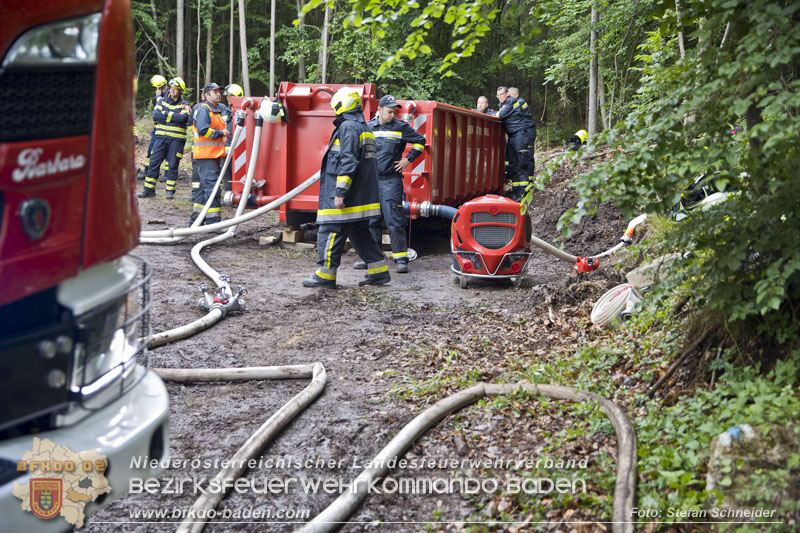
[72, 41]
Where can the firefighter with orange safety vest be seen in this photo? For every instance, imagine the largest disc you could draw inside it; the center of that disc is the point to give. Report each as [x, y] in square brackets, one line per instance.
[348, 195]
[171, 117]
[208, 151]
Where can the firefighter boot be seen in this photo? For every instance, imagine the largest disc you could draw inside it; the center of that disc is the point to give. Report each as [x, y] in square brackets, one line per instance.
[147, 192]
[170, 195]
[316, 281]
[377, 279]
[360, 265]
[402, 266]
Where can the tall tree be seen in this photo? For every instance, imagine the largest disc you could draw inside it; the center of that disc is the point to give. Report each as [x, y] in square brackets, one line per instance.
[230, 46]
[179, 40]
[272, 48]
[243, 48]
[323, 53]
[209, 34]
[198, 62]
[301, 27]
[593, 73]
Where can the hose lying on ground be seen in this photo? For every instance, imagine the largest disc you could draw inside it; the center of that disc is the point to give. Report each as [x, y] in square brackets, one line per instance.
[263, 435]
[624, 493]
[618, 302]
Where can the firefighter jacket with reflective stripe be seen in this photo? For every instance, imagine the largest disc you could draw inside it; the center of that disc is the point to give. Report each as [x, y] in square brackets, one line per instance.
[525, 112]
[349, 170]
[391, 139]
[209, 132]
[511, 115]
[171, 117]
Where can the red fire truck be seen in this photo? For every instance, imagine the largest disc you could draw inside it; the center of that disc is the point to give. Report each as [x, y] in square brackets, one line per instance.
[73, 302]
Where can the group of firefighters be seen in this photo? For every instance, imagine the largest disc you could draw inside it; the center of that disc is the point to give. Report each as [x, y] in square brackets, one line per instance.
[361, 179]
[211, 126]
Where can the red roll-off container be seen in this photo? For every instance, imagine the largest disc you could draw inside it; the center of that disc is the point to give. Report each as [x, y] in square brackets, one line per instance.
[463, 159]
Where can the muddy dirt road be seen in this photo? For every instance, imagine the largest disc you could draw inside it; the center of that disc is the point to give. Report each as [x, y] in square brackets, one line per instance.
[370, 341]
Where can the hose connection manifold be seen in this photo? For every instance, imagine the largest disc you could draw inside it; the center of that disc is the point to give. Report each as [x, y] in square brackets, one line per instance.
[221, 299]
[586, 264]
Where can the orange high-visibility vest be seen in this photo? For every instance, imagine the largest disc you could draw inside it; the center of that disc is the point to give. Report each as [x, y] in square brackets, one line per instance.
[205, 148]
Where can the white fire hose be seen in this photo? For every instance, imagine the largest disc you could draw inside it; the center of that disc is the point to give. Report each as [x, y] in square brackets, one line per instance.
[343, 507]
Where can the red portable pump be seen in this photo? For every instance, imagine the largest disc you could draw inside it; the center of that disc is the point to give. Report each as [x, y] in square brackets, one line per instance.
[490, 238]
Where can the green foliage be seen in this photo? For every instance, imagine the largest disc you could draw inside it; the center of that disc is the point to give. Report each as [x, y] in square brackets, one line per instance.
[745, 256]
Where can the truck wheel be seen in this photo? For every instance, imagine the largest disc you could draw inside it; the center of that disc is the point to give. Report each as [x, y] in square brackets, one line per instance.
[463, 281]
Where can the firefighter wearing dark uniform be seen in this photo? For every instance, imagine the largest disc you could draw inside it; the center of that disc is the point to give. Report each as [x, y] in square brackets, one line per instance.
[171, 116]
[231, 90]
[519, 168]
[159, 83]
[348, 195]
[208, 151]
[391, 137]
[577, 140]
[530, 127]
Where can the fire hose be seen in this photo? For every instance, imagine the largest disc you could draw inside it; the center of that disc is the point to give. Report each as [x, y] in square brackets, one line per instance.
[343, 507]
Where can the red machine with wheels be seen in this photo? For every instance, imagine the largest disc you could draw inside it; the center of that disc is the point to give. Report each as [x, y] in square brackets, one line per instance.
[490, 239]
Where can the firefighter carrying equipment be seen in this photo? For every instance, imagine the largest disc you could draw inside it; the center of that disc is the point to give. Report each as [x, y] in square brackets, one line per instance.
[234, 90]
[345, 99]
[178, 82]
[158, 81]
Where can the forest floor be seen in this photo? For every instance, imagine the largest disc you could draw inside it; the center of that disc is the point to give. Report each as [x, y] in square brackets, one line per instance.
[382, 348]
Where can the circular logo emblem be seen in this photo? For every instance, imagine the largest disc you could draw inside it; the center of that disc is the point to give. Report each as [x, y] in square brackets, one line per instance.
[34, 214]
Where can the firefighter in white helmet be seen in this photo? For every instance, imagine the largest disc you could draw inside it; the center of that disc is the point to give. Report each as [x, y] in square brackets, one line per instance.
[348, 195]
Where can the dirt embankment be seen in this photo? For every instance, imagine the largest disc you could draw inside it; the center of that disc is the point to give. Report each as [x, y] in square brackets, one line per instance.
[372, 342]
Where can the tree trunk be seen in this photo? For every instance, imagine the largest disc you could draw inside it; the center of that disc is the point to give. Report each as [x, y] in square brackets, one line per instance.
[301, 26]
[198, 62]
[179, 40]
[601, 98]
[230, 46]
[272, 48]
[681, 46]
[323, 53]
[592, 129]
[209, 33]
[243, 48]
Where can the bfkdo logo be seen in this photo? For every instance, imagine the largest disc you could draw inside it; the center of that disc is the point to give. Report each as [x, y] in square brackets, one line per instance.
[61, 481]
[46, 497]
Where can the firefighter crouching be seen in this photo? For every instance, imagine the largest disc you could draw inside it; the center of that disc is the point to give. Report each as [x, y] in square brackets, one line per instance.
[391, 137]
[208, 151]
[577, 140]
[348, 195]
[171, 116]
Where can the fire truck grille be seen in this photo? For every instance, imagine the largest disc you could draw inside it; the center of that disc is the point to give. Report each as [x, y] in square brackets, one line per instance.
[50, 102]
[499, 218]
[493, 237]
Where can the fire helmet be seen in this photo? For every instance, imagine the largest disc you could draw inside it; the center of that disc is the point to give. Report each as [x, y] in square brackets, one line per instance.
[158, 81]
[177, 82]
[345, 99]
[234, 90]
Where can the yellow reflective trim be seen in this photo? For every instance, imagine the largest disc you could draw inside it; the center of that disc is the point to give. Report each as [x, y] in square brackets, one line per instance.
[199, 206]
[378, 270]
[366, 135]
[325, 275]
[345, 179]
[215, 209]
[336, 142]
[169, 116]
[195, 185]
[419, 147]
[399, 254]
[525, 105]
[170, 128]
[209, 132]
[515, 104]
[515, 183]
[386, 133]
[329, 251]
[354, 209]
[170, 134]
